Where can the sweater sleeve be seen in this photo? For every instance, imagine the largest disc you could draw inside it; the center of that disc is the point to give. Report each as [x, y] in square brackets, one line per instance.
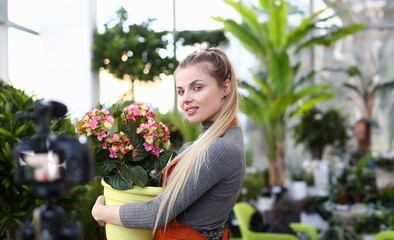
[223, 157]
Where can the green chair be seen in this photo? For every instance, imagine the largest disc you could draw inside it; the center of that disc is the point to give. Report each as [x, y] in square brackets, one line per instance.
[243, 212]
[387, 235]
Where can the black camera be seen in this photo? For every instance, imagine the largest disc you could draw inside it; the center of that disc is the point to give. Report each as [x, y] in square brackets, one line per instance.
[48, 163]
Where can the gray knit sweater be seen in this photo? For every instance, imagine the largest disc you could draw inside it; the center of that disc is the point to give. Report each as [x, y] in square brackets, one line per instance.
[205, 205]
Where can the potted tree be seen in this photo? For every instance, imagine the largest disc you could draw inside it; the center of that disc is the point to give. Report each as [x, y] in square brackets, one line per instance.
[318, 129]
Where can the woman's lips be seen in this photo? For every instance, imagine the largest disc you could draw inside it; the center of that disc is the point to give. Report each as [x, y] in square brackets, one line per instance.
[190, 110]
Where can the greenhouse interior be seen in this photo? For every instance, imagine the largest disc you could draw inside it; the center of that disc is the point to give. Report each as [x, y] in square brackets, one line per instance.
[93, 106]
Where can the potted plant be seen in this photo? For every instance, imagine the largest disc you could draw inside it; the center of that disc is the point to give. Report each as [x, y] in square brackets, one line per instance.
[298, 187]
[318, 129]
[130, 149]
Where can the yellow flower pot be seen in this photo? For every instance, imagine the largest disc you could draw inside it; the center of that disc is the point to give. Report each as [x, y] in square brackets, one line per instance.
[115, 197]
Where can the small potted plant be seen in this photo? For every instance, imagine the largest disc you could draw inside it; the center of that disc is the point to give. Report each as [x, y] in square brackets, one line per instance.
[130, 149]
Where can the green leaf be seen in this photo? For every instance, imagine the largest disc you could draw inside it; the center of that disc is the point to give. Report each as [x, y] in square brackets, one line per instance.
[249, 16]
[134, 175]
[331, 37]
[117, 182]
[303, 30]
[163, 159]
[130, 129]
[142, 153]
[383, 88]
[104, 168]
[308, 104]
[117, 114]
[244, 35]
[354, 88]
[5, 132]
[304, 78]
[254, 111]
[20, 130]
[277, 25]
[256, 95]
[281, 74]
[267, 5]
[353, 71]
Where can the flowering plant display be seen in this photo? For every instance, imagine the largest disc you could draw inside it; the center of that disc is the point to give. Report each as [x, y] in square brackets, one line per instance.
[130, 146]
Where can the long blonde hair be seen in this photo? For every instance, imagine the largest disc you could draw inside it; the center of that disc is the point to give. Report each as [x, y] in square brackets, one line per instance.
[220, 68]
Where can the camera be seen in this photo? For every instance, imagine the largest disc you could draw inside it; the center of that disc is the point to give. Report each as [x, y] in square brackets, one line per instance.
[48, 163]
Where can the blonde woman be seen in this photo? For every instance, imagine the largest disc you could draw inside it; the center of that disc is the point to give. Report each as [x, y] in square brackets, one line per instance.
[202, 184]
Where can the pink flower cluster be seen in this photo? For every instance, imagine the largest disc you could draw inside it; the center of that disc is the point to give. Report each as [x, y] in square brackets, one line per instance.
[98, 122]
[156, 135]
[137, 113]
[118, 145]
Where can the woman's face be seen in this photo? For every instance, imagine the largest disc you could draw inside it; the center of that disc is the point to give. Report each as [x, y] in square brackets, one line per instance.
[199, 95]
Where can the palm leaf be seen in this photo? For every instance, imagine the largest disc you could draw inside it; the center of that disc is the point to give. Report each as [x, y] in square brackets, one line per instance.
[383, 88]
[306, 105]
[261, 79]
[249, 16]
[254, 111]
[281, 73]
[329, 38]
[277, 25]
[354, 88]
[303, 79]
[244, 35]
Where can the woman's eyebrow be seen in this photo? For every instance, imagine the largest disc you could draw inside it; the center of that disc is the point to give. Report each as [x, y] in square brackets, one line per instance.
[192, 83]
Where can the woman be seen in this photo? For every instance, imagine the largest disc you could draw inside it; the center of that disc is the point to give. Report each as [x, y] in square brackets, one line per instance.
[203, 182]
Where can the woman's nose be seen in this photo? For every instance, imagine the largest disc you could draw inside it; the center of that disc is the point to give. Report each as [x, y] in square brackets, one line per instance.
[186, 98]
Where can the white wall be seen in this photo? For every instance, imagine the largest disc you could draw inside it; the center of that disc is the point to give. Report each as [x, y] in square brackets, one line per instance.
[66, 34]
[3, 41]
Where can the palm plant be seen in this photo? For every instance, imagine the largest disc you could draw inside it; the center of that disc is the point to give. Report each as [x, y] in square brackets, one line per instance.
[278, 94]
[367, 89]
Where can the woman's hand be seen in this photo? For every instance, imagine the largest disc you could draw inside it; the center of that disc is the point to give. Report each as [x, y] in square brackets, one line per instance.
[105, 214]
[97, 209]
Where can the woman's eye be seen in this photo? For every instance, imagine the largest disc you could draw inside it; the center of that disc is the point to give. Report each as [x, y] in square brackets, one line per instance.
[197, 88]
[180, 92]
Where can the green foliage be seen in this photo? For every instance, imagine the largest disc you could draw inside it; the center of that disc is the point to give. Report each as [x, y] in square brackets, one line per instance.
[213, 38]
[133, 50]
[339, 232]
[355, 185]
[369, 224]
[16, 201]
[277, 94]
[317, 129]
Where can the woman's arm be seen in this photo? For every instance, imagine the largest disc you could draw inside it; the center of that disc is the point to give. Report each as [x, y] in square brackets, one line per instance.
[105, 214]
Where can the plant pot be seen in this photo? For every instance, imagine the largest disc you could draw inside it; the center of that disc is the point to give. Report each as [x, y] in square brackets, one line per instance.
[321, 177]
[298, 190]
[115, 197]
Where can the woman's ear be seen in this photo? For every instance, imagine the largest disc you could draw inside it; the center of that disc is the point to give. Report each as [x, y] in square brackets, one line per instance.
[226, 87]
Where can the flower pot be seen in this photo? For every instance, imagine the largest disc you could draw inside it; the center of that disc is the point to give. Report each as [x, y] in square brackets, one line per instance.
[115, 197]
[321, 177]
[298, 190]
